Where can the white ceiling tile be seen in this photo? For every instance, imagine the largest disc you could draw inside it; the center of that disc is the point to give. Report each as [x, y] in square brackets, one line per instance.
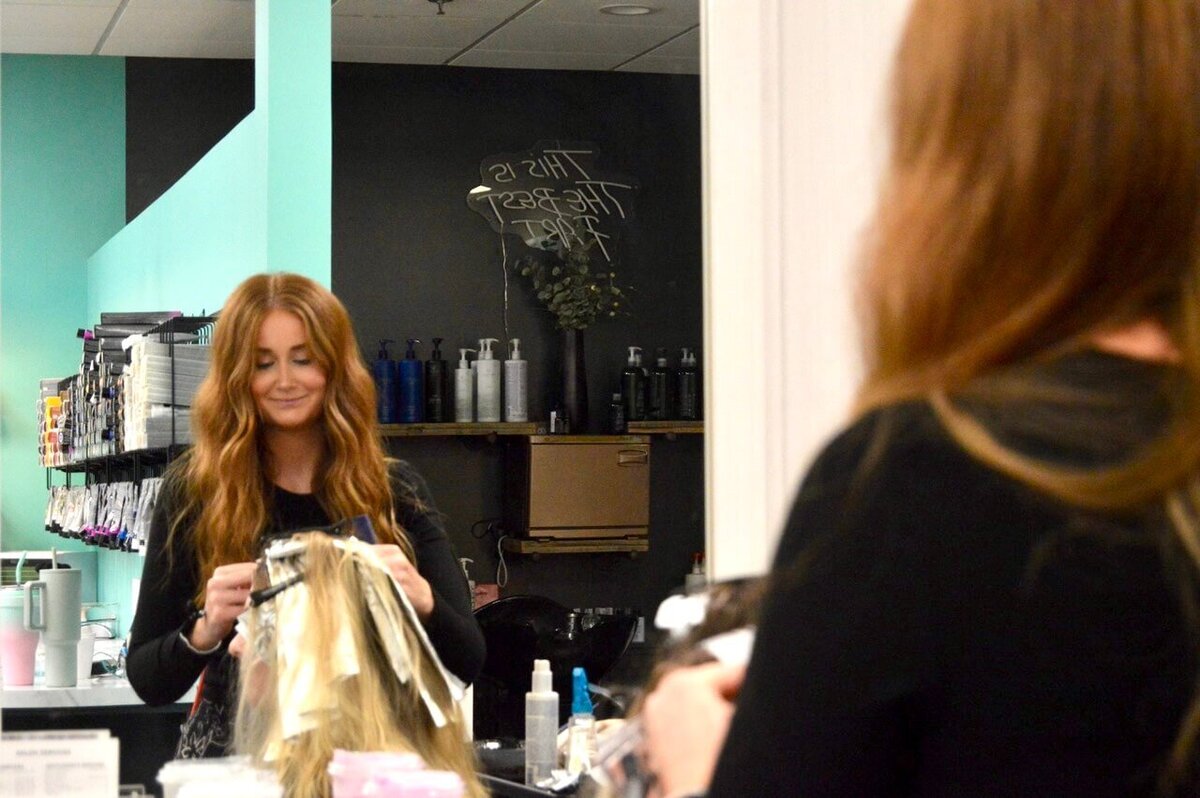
[199, 20]
[47, 45]
[493, 10]
[526, 60]
[7, 4]
[536, 34]
[179, 48]
[685, 46]
[393, 55]
[575, 37]
[652, 63]
[678, 13]
[417, 32]
[69, 23]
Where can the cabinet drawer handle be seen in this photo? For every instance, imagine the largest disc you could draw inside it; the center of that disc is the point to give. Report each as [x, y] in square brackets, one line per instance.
[632, 457]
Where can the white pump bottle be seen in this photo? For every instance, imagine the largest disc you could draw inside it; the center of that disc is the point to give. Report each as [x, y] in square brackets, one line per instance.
[487, 388]
[516, 384]
[464, 389]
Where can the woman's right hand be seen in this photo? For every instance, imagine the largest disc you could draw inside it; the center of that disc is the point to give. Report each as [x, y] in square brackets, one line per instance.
[226, 596]
[685, 720]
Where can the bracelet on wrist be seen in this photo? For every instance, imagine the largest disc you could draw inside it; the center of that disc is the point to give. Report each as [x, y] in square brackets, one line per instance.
[188, 626]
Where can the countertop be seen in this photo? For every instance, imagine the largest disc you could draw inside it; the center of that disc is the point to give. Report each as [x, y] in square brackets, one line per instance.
[98, 691]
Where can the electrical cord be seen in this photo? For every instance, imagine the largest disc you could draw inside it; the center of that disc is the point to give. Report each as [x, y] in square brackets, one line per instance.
[490, 527]
[501, 566]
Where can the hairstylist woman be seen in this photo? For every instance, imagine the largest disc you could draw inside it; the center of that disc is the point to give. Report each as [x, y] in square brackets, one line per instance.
[988, 583]
[284, 437]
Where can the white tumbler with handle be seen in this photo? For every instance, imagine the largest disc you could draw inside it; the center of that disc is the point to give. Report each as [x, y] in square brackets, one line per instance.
[58, 622]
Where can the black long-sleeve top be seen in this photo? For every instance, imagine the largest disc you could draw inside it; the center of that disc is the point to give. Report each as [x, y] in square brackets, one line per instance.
[936, 628]
[161, 668]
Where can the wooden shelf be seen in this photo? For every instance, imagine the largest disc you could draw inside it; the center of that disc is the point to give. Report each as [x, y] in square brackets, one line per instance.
[452, 428]
[668, 428]
[631, 546]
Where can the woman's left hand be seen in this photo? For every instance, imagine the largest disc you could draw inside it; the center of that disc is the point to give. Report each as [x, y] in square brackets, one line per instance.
[419, 593]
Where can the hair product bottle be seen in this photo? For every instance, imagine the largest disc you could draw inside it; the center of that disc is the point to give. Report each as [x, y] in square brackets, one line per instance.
[412, 386]
[464, 389]
[695, 580]
[688, 380]
[541, 724]
[616, 416]
[487, 388]
[581, 731]
[437, 386]
[659, 408]
[516, 384]
[632, 390]
[384, 372]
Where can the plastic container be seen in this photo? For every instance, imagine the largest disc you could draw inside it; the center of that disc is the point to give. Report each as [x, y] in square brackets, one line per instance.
[18, 645]
[633, 390]
[516, 384]
[487, 387]
[412, 386]
[220, 777]
[695, 580]
[464, 389]
[419, 784]
[616, 416]
[383, 370]
[688, 387]
[581, 730]
[437, 386]
[660, 392]
[541, 725]
[353, 773]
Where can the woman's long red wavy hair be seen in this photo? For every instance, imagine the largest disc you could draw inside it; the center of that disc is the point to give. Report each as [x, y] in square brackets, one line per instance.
[225, 476]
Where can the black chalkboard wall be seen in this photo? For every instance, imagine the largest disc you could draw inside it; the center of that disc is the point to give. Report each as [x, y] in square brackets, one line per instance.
[410, 259]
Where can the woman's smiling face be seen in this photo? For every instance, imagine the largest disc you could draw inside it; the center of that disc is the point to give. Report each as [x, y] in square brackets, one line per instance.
[288, 385]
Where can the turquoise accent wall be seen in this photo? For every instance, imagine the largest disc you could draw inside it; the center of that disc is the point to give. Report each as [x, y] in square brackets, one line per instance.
[62, 194]
[196, 242]
[293, 79]
[258, 201]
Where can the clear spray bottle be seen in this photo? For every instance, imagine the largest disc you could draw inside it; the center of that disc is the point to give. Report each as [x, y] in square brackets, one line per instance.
[581, 732]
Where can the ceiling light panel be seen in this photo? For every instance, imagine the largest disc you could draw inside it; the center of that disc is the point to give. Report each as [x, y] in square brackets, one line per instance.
[570, 37]
[679, 14]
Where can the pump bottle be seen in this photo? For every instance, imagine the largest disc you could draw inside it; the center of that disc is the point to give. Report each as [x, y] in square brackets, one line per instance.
[464, 389]
[581, 731]
[696, 580]
[437, 386]
[541, 725]
[688, 381]
[412, 386]
[384, 372]
[616, 416]
[632, 390]
[487, 388]
[658, 408]
[516, 384]
[462, 561]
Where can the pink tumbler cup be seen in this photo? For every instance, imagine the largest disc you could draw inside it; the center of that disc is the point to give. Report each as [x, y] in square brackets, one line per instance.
[17, 644]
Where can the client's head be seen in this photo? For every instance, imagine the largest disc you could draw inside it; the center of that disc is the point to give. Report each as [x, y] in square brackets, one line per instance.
[334, 658]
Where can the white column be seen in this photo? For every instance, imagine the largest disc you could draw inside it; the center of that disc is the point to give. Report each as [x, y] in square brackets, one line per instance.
[793, 112]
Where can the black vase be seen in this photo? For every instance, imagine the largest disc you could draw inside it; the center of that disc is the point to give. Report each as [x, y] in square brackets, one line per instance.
[575, 400]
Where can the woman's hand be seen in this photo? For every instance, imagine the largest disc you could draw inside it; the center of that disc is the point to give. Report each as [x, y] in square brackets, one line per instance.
[419, 593]
[685, 720]
[226, 596]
